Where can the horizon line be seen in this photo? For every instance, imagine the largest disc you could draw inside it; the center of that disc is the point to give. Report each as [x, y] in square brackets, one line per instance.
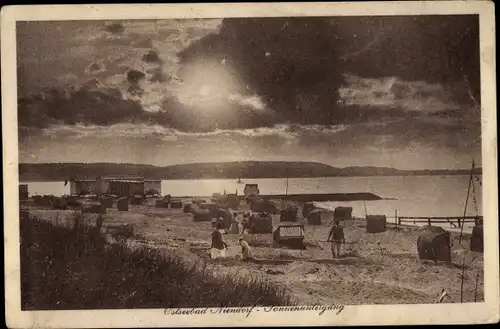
[241, 161]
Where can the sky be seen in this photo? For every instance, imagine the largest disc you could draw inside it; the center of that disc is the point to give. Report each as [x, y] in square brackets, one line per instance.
[398, 92]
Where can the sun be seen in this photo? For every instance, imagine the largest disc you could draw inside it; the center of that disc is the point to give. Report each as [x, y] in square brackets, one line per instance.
[207, 85]
[204, 90]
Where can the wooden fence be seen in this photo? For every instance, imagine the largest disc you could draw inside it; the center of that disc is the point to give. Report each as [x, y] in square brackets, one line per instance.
[454, 221]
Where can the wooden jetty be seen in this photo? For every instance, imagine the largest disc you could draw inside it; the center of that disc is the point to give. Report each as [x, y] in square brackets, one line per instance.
[362, 196]
[324, 197]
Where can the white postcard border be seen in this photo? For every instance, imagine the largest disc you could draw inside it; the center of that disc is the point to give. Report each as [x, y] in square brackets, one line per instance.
[352, 315]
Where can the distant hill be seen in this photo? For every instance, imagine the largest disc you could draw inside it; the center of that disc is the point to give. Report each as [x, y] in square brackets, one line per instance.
[220, 170]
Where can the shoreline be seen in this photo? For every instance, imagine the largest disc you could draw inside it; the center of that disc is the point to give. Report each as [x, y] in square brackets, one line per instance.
[27, 181]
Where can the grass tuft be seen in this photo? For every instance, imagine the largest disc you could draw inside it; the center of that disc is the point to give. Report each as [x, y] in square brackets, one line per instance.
[69, 267]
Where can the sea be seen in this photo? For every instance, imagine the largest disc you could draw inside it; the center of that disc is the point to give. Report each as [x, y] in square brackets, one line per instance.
[408, 195]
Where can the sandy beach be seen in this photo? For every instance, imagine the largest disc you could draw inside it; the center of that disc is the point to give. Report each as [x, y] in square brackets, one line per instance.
[374, 268]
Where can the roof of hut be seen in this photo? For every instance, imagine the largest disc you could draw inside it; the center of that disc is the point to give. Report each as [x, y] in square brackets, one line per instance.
[376, 217]
[126, 181]
[123, 178]
[291, 231]
[320, 210]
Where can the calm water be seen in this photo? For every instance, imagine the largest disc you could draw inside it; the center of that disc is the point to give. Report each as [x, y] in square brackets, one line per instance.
[414, 195]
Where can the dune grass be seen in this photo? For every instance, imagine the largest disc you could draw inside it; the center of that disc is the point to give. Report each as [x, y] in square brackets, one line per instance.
[67, 267]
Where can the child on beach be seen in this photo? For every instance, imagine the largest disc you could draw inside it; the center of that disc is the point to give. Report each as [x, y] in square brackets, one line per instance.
[218, 248]
[336, 237]
[246, 251]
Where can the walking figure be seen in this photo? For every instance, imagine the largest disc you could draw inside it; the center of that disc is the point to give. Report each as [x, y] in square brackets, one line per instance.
[336, 238]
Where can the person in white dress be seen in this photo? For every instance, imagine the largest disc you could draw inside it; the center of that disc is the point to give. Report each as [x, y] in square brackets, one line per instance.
[246, 251]
[219, 246]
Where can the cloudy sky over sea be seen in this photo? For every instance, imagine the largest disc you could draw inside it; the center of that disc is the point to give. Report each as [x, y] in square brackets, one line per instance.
[354, 91]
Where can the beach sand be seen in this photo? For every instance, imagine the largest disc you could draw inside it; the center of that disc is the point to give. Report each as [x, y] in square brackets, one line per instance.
[375, 268]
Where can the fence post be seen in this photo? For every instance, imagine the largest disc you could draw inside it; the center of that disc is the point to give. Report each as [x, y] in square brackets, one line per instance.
[396, 217]
[458, 219]
[475, 290]
[429, 221]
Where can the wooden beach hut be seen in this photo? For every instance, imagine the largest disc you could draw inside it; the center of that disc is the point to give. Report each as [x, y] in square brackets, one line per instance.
[203, 215]
[212, 208]
[251, 189]
[289, 215]
[161, 203]
[261, 223]
[376, 223]
[23, 192]
[230, 201]
[319, 216]
[199, 214]
[176, 204]
[342, 214]
[290, 235]
[106, 202]
[122, 204]
[434, 243]
[59, 203]
[308, 207]
[233, 201]
[476, 239]
[187, 208]
[262, 205]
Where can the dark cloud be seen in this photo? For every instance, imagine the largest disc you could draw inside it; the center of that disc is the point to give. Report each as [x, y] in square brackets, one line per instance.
[441, 49]
[151, 57]
[94, 67]
[296, 64]
[96, 104]
[280, 59]
[86, 105]
[135, 76]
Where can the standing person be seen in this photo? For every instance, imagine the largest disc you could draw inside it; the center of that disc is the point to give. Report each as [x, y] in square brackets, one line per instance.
[218, 248]
[234, 224]
[244, 225]
[336, 237]
[246, 251]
